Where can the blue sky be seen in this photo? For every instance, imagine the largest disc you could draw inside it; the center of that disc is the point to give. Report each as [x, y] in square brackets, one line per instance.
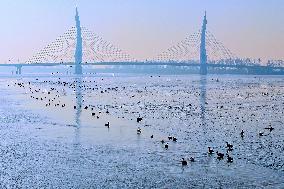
[144, 28]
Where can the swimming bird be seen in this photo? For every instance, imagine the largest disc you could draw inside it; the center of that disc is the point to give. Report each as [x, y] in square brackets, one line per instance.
[229, 159]
[229, 146]
[242, 133]
[139, 131]
[139, 119]
[192, 159]
[210, 151]
[183, 162]
[220, 155]
[167, 146]
[269, 128]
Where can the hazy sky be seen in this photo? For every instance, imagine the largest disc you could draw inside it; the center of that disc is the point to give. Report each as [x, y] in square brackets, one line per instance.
[144, 28]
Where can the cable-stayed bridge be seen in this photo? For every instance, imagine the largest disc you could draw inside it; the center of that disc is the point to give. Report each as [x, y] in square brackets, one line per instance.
[79, 46]
[94, 49]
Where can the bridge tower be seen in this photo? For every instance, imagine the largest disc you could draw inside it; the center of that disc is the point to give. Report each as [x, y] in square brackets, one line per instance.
[203, 54]
[79, 50]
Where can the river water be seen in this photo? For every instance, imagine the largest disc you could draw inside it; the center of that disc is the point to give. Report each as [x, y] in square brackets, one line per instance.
[45, 145]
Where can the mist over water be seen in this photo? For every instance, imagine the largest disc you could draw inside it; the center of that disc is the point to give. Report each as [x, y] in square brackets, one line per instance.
[47, 142]
[82, 112]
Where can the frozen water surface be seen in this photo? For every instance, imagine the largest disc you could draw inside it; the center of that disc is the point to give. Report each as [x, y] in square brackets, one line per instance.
[45, 145]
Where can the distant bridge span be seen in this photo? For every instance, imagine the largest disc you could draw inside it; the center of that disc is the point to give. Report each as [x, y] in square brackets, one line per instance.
[80, 47]
[149, 63]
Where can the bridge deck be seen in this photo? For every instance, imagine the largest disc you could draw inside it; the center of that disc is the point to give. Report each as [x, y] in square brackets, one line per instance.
[144, 64]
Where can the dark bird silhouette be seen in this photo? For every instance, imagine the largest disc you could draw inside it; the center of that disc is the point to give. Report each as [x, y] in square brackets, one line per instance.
[229, 146]
[210, 151]
[270, 128]
[167, 146]
[229, 159]
[139, 131]
[183, 162]
[139, 119]
[242, 133]
[220, 155]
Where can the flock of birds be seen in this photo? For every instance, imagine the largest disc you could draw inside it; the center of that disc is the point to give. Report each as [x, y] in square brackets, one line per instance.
[220, 156]
[49, 99]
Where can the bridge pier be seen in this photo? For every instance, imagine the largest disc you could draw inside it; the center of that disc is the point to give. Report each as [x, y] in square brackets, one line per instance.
[203, 69]
[19, 70]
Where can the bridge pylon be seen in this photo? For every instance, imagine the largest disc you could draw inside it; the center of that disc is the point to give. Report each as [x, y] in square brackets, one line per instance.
[79, 46]
[203, 53]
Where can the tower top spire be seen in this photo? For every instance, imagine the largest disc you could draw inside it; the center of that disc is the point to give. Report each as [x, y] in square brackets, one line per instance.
[77, 18]
[203, 53]
[205, 18]
[77, 13]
